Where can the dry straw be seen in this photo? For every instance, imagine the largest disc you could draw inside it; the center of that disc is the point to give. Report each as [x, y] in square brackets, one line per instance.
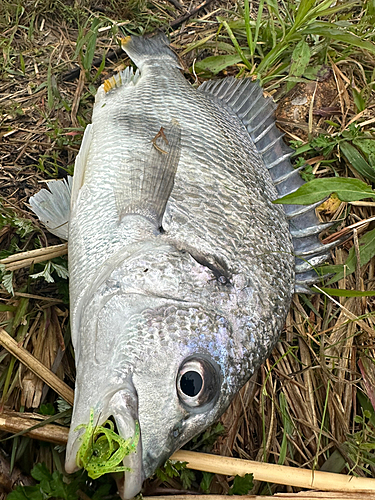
[38, 368]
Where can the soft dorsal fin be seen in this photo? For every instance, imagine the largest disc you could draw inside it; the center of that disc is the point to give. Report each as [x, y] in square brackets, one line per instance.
[246, 100]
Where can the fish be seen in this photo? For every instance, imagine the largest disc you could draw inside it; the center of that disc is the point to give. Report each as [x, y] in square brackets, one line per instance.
[182, 267]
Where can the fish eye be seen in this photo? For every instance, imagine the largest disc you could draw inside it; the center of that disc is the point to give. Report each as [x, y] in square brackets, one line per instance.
[191, 383]
[198, 383]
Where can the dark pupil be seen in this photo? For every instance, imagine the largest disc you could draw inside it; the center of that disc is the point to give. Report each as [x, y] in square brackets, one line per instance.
[191, 383]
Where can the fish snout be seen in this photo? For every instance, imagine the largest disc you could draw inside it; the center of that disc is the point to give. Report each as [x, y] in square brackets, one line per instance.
[108, 441]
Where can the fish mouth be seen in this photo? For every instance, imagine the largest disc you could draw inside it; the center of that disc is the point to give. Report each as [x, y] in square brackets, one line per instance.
[130, 481]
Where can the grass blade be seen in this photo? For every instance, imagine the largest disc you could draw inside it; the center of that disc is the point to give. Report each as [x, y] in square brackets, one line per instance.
[249, 34]
[237, 46]
[258, 23]
[330, 30]
[355, 158]
[334, 292]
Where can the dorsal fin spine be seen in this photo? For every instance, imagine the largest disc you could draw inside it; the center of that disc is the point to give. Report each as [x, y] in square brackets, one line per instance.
[262, 134]
[270, 145]
[279, 160]
[260, 124]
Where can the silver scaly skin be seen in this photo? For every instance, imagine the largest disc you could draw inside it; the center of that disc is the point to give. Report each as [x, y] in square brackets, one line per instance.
[179, 261]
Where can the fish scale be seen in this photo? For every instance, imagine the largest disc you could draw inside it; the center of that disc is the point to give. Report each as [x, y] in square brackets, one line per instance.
[181, 267]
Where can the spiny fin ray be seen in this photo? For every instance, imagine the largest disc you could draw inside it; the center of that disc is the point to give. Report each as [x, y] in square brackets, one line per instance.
[245, 98]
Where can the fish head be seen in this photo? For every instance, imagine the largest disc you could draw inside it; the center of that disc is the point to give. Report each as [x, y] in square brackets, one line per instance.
[146, 356]
[159, 362]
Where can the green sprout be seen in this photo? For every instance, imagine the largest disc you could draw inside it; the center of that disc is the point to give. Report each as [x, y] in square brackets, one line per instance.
[102, 450]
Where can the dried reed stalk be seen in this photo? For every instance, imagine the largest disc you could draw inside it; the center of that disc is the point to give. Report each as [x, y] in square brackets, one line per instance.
[36, 367]
[15, 422]
[24, 259]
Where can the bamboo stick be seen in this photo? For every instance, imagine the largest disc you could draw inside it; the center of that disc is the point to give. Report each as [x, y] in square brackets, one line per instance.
[36, 367]
[49, 432]
[349, 487]
[271, 473]
[24, 259]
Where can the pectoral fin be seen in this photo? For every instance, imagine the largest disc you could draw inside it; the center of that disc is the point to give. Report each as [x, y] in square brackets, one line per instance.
[146, 181]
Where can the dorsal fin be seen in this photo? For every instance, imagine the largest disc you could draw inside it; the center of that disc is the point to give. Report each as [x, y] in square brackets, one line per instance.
[245, 98]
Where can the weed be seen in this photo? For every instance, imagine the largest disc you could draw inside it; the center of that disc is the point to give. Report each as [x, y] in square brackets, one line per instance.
[288, 37]
[242, 485]
[360, 445]
[49, 486]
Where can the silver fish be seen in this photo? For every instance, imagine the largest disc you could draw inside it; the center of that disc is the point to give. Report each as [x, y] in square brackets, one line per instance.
[181, 267]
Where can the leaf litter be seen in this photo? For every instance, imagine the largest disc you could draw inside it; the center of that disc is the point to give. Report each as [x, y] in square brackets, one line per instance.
[311, 403]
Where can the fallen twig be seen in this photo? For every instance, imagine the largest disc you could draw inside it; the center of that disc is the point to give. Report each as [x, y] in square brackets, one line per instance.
[38, 368]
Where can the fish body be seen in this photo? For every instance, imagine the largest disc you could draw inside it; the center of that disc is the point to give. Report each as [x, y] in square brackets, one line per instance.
[181, 267]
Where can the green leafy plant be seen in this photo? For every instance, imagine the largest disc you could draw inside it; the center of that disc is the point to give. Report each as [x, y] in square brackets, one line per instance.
[242, 485]
[317, 189]
[205, 484]
[361, 444]
[357, 147]
[174, 468]
[285, 37]
[205, 440]
[49, 486]
[50, 267]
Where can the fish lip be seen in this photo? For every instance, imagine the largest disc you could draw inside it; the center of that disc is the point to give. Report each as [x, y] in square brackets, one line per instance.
[131, 482]
[74, 443]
